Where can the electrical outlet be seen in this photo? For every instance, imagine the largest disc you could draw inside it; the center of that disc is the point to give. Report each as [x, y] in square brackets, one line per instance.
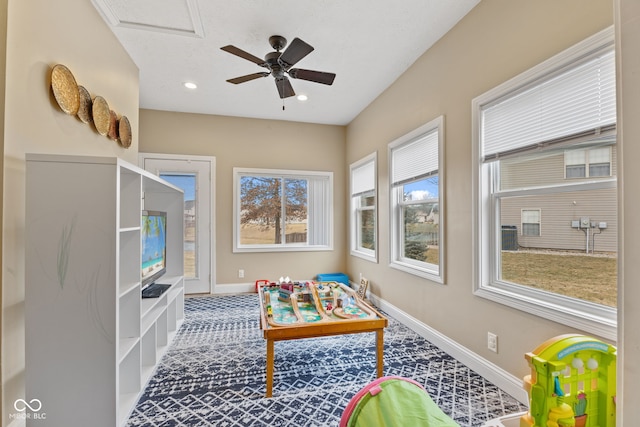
[492, 342]
[240, 273]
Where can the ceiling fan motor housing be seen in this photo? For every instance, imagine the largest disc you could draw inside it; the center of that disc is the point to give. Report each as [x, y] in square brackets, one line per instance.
[277, 42]
[276, 68]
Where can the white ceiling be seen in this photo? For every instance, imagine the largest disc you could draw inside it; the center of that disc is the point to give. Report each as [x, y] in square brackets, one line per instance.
[368, 44]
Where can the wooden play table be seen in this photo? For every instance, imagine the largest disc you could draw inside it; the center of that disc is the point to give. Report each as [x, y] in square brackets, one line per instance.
[299, 310]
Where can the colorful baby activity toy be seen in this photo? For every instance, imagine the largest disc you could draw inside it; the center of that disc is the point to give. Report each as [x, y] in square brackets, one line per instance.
[572, 383]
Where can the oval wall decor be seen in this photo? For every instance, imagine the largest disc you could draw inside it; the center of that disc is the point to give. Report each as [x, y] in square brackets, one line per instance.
[84, 112]
[65, 89]
[124, 131]
[74, 99]
[113, 125]
[101, 115]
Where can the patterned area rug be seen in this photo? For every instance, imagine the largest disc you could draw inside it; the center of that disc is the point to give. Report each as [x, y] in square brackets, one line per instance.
[214, 373]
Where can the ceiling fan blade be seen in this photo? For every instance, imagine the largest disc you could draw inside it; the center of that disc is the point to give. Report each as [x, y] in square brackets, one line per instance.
[284, 87]
[294, 53]
[312, 76]
[245, 55]
[248, 77]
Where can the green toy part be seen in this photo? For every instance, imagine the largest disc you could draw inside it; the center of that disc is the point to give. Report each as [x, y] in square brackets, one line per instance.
[571, 376]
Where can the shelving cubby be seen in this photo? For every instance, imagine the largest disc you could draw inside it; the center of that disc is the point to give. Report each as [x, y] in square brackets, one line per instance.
[92, 342]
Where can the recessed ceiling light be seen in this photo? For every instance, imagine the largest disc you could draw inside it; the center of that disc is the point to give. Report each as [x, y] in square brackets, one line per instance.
[302, 97]
[190, 85]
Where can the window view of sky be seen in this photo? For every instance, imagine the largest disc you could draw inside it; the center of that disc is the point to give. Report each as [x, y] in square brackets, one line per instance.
[423, 189]
[187, 182]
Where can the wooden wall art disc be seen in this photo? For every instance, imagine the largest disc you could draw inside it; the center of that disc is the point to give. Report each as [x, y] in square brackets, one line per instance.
[65, 89]
[84, 112]
[113, 125]
[124, 132]
[101, 115]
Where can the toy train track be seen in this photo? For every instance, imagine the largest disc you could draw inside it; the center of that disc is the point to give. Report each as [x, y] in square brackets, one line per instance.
[310, 302]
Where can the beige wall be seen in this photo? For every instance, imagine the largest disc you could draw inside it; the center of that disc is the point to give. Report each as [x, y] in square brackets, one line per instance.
[3, 45]
[628, 36]
[496, 41]
[41, 33]
[240, 142]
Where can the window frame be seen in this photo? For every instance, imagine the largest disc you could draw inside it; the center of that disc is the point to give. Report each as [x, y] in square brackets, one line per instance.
[326, 206]
[356, 209]
[580, 314]
[396, 224]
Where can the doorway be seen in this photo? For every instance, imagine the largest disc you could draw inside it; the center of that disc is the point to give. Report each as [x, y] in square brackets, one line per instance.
[194, 175]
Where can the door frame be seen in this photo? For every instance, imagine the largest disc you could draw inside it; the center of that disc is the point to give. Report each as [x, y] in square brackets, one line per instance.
[212, 204]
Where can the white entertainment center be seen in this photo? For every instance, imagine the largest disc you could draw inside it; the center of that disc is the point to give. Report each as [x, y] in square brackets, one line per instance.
[92, 342]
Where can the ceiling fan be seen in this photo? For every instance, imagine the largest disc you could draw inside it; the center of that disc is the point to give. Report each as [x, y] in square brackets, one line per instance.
[279, 65]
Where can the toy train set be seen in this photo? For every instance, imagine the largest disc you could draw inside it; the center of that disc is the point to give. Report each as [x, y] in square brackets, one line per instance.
[289, 302]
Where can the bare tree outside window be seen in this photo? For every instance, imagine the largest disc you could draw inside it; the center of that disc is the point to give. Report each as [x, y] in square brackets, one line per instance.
[272, 207]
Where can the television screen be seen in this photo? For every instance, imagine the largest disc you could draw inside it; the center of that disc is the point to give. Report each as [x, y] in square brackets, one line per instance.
[154, 245]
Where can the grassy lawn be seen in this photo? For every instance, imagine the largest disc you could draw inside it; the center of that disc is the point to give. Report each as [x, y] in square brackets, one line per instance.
[590, 278]
[251, 234]
[587, 277]
[190, 255]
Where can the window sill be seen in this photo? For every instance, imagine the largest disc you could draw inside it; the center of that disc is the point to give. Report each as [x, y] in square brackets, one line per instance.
[582, 315]
[371, 257]
[417, 271]
[282, 249]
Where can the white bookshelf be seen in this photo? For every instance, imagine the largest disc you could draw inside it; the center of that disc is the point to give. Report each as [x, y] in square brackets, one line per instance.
[92, 342]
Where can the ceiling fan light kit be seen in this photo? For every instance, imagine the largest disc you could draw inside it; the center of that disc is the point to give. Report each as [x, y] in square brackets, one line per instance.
[279, 65]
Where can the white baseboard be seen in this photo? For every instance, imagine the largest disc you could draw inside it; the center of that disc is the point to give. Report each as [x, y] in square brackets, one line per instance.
[234, 288]
[488, 370]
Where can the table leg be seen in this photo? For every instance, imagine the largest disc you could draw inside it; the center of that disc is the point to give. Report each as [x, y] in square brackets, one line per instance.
[270, 358]
[380, 352]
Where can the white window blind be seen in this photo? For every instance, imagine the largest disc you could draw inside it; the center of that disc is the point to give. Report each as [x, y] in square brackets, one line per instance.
[416, 159]
[363, 178]
[319, 212]
[579, 100]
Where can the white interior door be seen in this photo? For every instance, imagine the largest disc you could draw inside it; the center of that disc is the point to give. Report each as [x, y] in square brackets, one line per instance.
[194, 174]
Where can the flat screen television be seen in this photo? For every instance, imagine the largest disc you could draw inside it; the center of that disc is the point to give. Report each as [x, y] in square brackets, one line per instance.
[154, 246]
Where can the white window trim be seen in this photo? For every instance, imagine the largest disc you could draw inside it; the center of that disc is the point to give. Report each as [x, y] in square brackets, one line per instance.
[237, 248]
[364, 253]
[583, 315]
[417, 268]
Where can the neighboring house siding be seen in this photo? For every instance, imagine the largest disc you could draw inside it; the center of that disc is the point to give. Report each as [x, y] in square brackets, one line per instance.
[521, 173]
[557, 211]
[538, 171]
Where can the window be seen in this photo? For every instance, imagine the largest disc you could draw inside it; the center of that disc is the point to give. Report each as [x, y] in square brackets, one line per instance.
[586, 163]
[530, 222]
[532, 136]
[416, 183]
[278, 210]
[363, 208]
